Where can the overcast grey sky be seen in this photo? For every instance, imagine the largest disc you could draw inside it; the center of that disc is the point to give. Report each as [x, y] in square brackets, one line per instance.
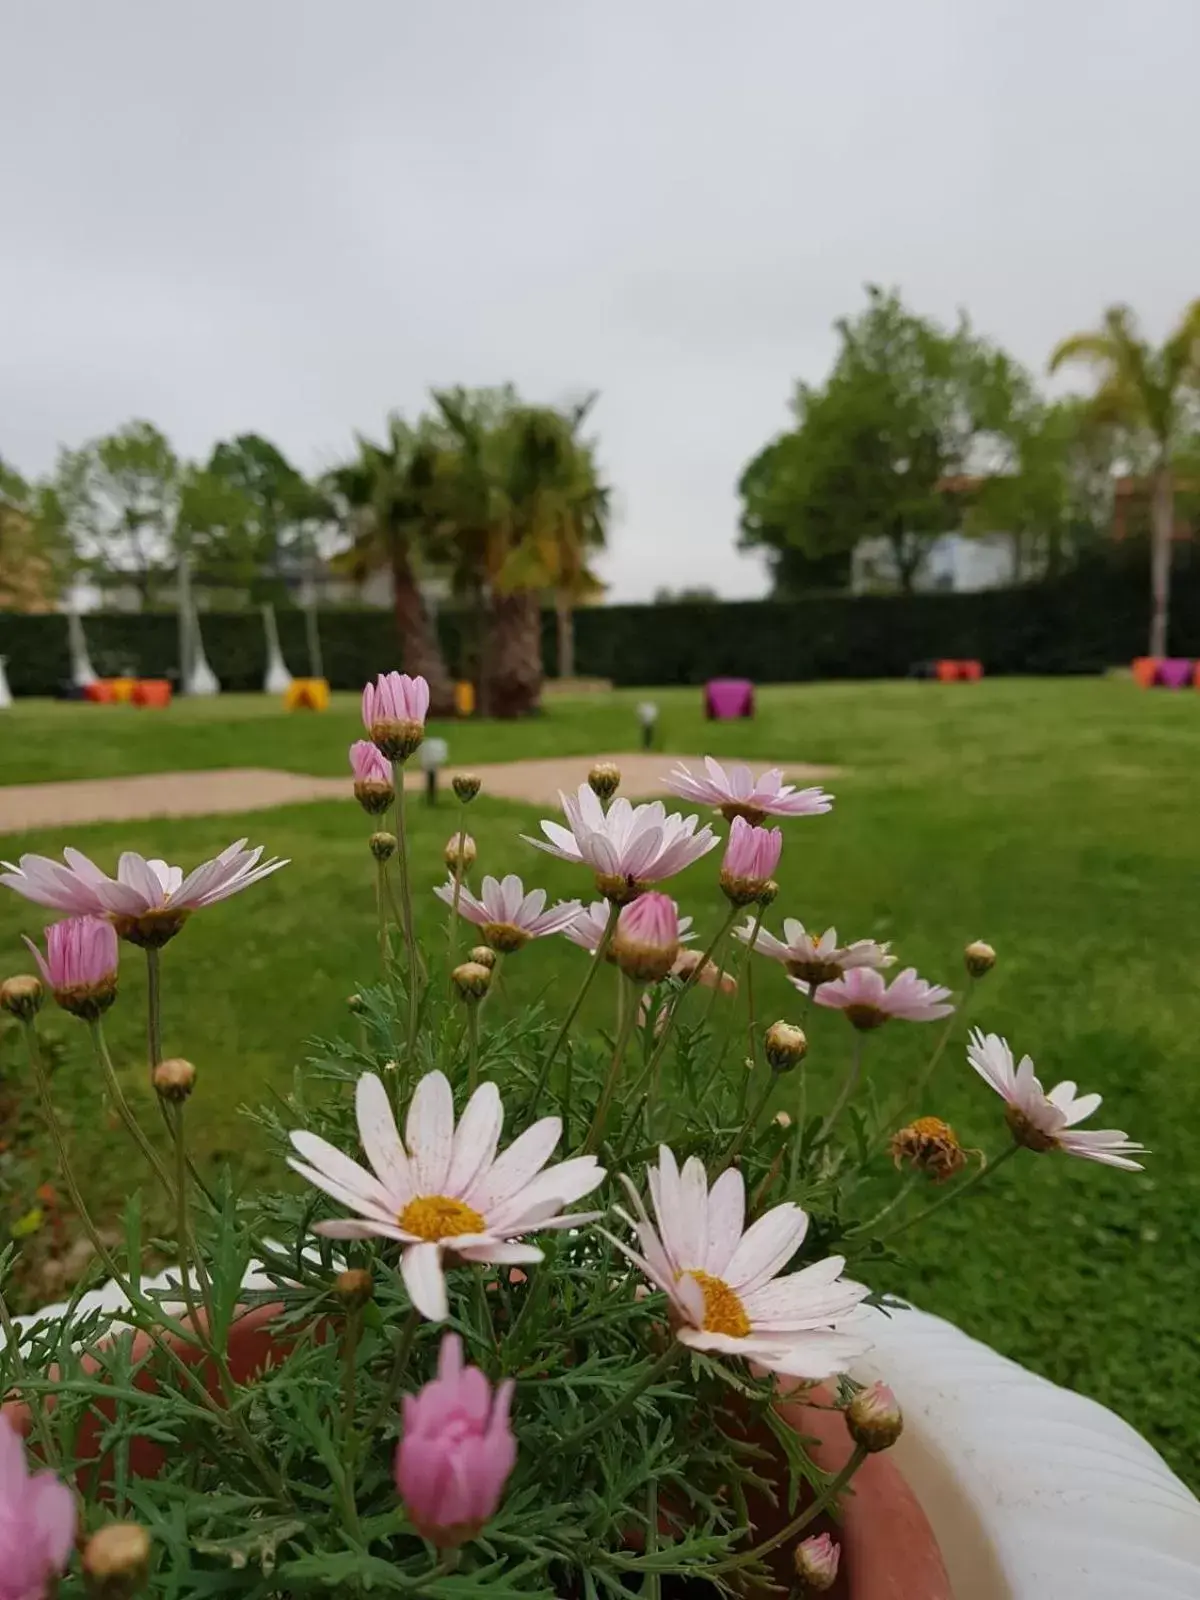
[288, 216]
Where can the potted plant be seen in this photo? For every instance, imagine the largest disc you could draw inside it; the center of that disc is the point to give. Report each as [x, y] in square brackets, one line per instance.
[541, 1312]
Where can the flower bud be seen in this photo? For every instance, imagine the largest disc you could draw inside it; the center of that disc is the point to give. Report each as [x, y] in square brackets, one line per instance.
[356, 1004]
[482, 956]
[873, 1418]
[116, 1560]
[816, 1561]
[472, 980]
[751, 857]
[931, 1146]
[466, 786]
[460, 851]
[605, 780]
[80, 965]
[783, 1120]
[372, 778]
[980, 958]
[174, 1079]
[22, 996]
[383, 845]
[786, 1046]
[770, 892]
[354, 1288]
[646, 941]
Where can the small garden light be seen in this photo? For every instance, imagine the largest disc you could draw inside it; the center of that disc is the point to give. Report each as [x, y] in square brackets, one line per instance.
[647, 714]
[434, 755]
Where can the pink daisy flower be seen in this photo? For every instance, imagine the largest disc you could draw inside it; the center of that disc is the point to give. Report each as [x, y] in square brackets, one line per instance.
[394, 709]
[737, 793]
[80, 964]
[37, 1523]
[751, 857]
[815, 958]
[444, 1190]
[588, 928]
[723, 1279]
[148, 901]
[629, 848]
[1042, 1121]
[508, 916]
[868, 1001]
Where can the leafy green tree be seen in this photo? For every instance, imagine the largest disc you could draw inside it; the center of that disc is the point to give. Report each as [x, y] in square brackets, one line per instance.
[869, 450]
[283, 514]
[1153, 393]
[119, 501]
[33, 554]
[390, 494]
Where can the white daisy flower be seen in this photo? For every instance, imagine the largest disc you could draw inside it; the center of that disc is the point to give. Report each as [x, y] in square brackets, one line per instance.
[1041, 1121]
[812, 957]
[508, 916]
[723, 1280]
[445, 1190]
[629, 848]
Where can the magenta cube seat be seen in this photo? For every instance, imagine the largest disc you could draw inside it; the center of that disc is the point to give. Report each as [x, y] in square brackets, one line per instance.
[1174, 673]
[727, 699]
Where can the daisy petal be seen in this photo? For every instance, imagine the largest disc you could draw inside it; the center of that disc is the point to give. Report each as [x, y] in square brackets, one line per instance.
[421, 1269]
[429, 1132]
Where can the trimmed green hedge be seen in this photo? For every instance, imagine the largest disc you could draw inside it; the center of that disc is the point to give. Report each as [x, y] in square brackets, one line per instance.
[1092, 619]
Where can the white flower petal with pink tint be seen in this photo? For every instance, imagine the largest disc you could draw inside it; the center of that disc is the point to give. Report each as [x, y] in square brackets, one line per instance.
[1041, 1120]
[141, 887]
[723, 1281]
[443, 1189]
[737, 793]
[812, 957]
[507, 914]
[868, 1000]
[587, 930]
[627, 847]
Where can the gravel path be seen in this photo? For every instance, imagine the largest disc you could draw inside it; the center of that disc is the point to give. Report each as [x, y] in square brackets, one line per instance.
[25, 806]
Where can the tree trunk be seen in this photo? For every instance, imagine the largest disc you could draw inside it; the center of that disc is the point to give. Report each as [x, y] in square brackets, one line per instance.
[1163, 527]
[420, 652]
[515, 656]
[565, 614]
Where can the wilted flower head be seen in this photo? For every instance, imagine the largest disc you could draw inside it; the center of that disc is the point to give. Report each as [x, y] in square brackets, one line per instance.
[751, 856]
[874, 1418]
[80, 965]
[148, 901]
[868, 1001]
[394, 709]
[816, 1562]
[737, 793]
[629, 848]
[722, 1279]
[646, 941]
[444, 1189]
[508, 916]
[1042, 1121]
[456, 1450]
[372, 778]
[814, 958]
[931, 1146]
[692, 962]
[37, 1523]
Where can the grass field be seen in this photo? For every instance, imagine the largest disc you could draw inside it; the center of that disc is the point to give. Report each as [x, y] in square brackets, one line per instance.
[1055, 819]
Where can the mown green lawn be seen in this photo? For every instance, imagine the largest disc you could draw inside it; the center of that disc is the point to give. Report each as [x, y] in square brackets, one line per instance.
[1055, 819]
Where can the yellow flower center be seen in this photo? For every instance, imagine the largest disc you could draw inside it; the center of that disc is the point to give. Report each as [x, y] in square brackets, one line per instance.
[723, 1311]
[504, 937]
[436, 1216]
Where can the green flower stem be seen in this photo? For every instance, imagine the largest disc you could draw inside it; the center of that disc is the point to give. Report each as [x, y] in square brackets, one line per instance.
[749, 1124]
[410, 943]
[452, 930]
[596, 1131]
[350, 1340]
[898, 1199]
[153, 1007]
[594, 965]
[748, 969]
[849, 1084]
[620, 1406]
[797, 1525]
[962, 1188]
[472, 1045]
[185, 1242]
[381, 913]
[692, 978]
[34, 1398]
[399, 1365]
[125, 1111]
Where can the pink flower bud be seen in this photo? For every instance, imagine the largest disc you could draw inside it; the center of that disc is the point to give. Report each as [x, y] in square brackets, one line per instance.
[646, 942]
[372, 777]
[394, 708]
[874, 1419]
[751, 857]
[80, 965]
[456, 1452]
[37, 1523]
[816, 1560]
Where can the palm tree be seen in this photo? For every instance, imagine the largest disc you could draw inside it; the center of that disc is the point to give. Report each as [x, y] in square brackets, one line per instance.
[390, 494]
[1152, 392]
